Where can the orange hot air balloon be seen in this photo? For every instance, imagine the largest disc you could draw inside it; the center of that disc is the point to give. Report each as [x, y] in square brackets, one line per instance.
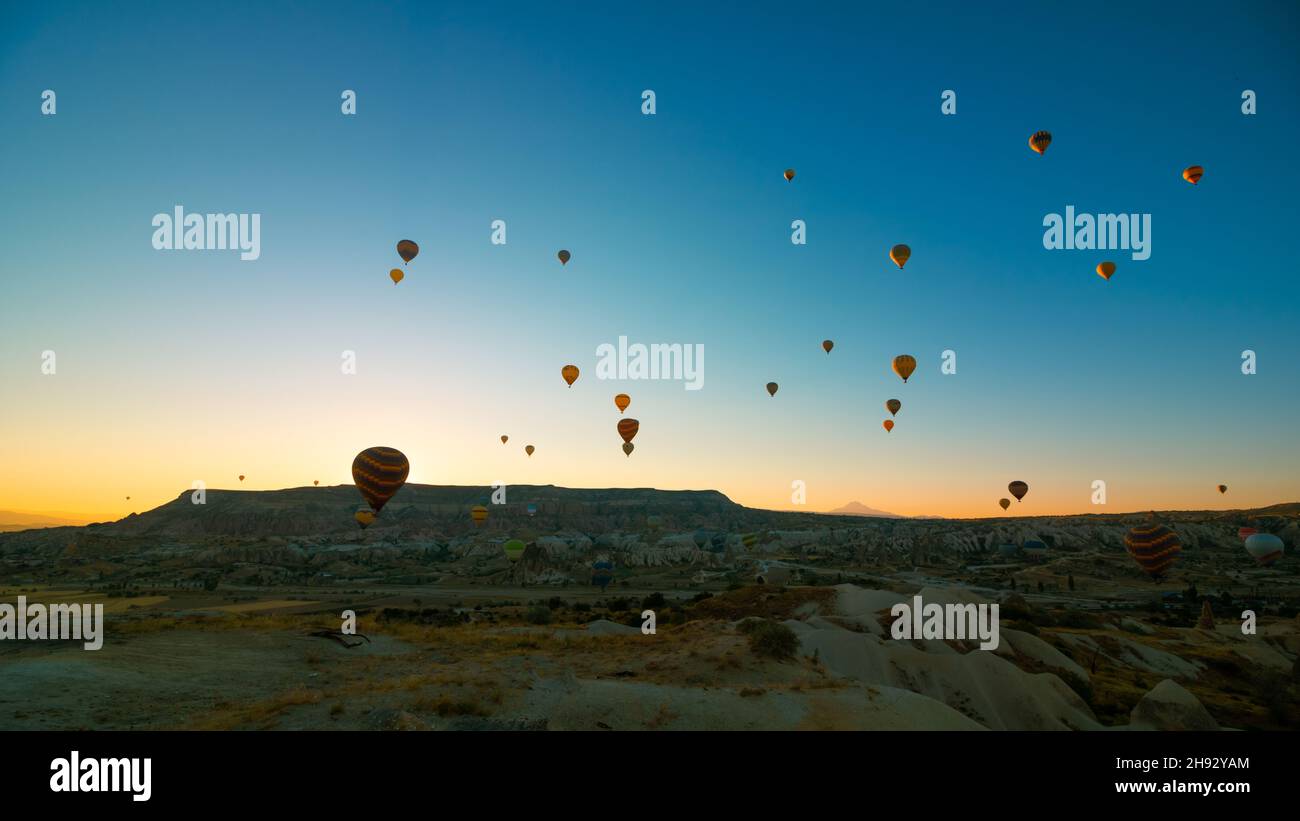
[479, 514]
[892, 406]
[1193, 173]
[628, 447]
[1105, 270]
[1018, 489]
[1006, 503]
[1040, 141]
[563, 256]
[889, 425]
[827, 345]
[529, 449]
[365, 517]
[904, 365]
[241, 477]
[407, 250]
[627, 428]
[396, 275]
[504, 438]
[570, 374]
[900, 254]
[1223, 488]
[622, 401]
[316, 482]
[771, 388]
[789, 174]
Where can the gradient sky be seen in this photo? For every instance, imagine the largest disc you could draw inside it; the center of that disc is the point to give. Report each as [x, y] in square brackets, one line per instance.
[177, 366]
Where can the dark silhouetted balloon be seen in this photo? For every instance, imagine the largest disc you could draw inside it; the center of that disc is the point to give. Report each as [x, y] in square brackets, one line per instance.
[628, 447]
[900, 254]
[827, 345]
[1040, 141]
[379, 472]
[529, 449]
[627, 428]
[564, 257]
[407, 250]
[1018, 489]
[771, 388]
[904, 365]
[1006, 503]
[893, 406]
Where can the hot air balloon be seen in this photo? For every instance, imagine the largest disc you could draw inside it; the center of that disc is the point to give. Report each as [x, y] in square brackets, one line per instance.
[789, 174]
[365, 517]
[628, 447]
[1264, 548]
[532, 509]
[529, 449]
[622, 401]
[479, 514]
[893, 406]
[563, 256]
[1245, 533]
[570, 374]
[602, 573]
[1034, 549]
[749, 540]
[1193, 173]
[900, 254]
[827, 345]
[316, 482]
[504, 438]
[904, 365]
[627, 428]
[1040, 141]
[771, 388]
[1154, 547]
[1223, 489]
[889, 425]
[241, 477]
[407, 250]
[1105, 270]
[379, 473]
[514, 549]
[128, 498]
[1018, 489]
[396, 275]
[1006, 503]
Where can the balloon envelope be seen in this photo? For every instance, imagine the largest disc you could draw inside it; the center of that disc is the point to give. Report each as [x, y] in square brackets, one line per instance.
[628, 447]
[893, 406]
[789, 174]
[900, 254]
[504, 439]
[1040, 141]
[1006, 503]
[514, 549]
[564, 257]
[379, 472]
[529, 449]
[1223, 488]
[1105, 270]
[889, 425]
[364, 518]
[1245, 533]
[771, 388]
[241, 477]
[1193, 174]
[1018, 489]
[407, 250]
[627, 428]
[1264, 548]
[827, 345]
[622, 401]
[904, 365]
[570, 374]
[479, 514]
[396, 275]
[1154, 547]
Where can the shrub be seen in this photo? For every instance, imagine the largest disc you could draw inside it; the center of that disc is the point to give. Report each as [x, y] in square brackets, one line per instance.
[654, 601]
[773, 640]
[538, 614]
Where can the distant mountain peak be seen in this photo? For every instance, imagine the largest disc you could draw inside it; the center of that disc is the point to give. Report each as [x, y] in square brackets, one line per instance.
[859, 509]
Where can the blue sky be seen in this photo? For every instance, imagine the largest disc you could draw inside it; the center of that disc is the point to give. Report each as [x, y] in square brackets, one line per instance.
[181, 365]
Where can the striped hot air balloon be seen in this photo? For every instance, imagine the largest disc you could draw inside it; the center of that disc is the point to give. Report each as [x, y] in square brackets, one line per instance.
[1264, 548]
[406, 249]
[602, 573]
[904, 365]
[1245, 533]
[479, 514]
[1193, 173]
[379, 472]
[1154, 547]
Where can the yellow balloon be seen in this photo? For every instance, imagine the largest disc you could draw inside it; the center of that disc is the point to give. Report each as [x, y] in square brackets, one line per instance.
[396, 275]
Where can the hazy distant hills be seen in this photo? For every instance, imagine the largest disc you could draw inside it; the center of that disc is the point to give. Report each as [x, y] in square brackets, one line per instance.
[11, 520]
[859, 509]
